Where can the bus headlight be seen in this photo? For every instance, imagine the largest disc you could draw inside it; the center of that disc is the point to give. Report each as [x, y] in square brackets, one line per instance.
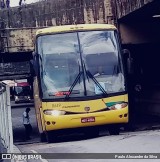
[54, 112]
[118, 106]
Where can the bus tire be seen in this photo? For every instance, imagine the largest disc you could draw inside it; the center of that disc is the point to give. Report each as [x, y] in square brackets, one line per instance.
[114, 130]
[43, 137]
[51, 137]
[91, 132]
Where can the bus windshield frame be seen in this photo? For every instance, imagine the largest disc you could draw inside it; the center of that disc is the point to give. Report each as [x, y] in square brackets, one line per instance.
[63, 56]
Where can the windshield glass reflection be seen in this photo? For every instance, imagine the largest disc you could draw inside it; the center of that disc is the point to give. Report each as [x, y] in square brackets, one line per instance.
[100, 54]
[61, 63]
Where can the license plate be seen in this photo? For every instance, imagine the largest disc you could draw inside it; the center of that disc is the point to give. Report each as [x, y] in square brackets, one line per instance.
[89, 119]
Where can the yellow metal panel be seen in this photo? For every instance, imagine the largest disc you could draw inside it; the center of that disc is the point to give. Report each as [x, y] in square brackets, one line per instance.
[74, 120]
[38, 103]
[78, 106]
[66, 28]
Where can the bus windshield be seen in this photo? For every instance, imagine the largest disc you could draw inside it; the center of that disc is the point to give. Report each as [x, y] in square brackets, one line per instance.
[22, 90]
[66, 55]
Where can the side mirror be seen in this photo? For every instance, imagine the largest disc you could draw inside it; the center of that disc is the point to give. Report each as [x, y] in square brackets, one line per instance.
[128, 60]
[32, 68]
[34, 54]
[34, 64]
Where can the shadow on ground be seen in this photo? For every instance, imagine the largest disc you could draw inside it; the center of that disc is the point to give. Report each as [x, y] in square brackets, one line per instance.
[142, 122]
[19, 135]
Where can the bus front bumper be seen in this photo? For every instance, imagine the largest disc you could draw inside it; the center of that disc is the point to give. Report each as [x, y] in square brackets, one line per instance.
[85, 120]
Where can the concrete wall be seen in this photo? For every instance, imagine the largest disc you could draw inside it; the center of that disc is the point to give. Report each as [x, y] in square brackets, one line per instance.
[20, 40]
[18, 25]
[15, 70]
[60, 12]
[124, 7]
[137, 24]
[57, 12]
[139, 32]
[6, 133]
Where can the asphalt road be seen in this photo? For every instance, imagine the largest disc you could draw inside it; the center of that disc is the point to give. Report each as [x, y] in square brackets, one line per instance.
[133, 142]
[16, 105]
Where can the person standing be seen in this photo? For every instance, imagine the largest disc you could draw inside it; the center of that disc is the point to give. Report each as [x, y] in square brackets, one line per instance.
[26, 122]
[2, 4]
[22, 2]
[8, 3]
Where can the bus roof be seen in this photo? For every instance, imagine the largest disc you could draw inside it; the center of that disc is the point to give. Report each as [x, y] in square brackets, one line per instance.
[66, 28]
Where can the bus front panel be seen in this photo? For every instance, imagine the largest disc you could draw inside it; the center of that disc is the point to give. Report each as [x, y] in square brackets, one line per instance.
[63, 115]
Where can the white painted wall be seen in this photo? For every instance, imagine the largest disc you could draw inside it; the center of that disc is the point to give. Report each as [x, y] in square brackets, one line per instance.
[6, 133]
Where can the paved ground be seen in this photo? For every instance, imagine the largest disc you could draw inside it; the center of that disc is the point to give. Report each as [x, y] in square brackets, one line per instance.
[2, 150]
[16, 105]
[132, 142]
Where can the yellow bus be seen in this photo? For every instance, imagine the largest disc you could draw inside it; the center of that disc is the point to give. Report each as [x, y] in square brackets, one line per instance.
[80, 80]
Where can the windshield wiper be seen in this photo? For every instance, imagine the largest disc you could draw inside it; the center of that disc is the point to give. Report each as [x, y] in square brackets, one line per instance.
[88, 73]
[73, 85]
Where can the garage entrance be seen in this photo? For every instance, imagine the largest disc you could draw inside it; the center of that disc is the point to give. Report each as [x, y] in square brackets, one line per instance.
[140, 33]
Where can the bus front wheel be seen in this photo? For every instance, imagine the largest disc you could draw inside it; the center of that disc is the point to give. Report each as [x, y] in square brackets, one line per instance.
[51, 136]
[114, 130]
[43, 137]
[91, 132]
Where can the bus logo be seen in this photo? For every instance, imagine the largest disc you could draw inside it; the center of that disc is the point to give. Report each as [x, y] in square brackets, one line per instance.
[87, 109]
